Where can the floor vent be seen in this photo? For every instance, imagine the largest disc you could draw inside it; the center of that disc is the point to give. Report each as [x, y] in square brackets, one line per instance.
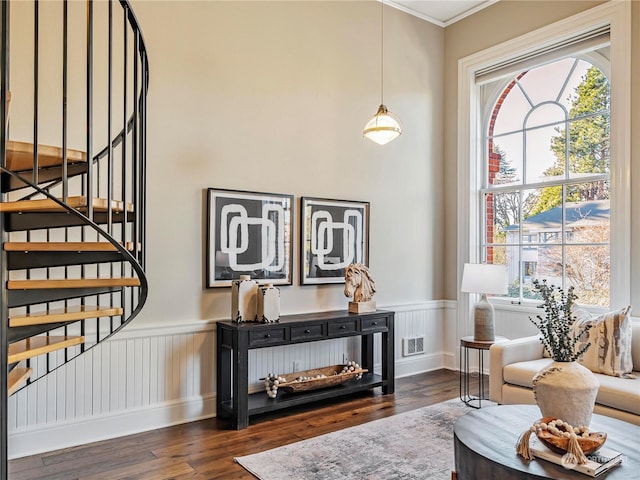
[412, 346]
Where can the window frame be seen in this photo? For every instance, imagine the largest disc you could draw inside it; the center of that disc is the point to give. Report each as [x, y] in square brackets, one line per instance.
[471, 143]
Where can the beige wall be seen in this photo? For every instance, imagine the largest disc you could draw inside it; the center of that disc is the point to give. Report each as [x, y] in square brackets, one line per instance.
[272, 97]
[635, 157]
[501, 22]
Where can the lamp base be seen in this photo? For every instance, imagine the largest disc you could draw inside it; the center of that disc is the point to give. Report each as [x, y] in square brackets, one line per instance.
[483, 321]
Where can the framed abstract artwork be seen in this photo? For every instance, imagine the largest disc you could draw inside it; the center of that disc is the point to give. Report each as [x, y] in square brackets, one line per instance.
[248, 233]
[334, 233]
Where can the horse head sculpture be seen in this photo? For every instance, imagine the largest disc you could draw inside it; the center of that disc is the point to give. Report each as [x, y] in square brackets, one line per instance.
[359, 283]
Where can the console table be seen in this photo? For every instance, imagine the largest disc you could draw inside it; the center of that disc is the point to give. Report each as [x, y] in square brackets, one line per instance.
[235, 339]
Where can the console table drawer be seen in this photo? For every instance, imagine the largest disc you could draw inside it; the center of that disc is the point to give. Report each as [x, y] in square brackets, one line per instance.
[339, 328]
[373, 323]
[258, 338]
[308, 332]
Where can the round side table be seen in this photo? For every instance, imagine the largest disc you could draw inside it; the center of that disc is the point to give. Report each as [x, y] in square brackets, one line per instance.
[467, 344]
[485, 446]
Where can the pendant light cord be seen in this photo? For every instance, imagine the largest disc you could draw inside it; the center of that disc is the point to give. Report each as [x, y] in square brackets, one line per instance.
[382, 52]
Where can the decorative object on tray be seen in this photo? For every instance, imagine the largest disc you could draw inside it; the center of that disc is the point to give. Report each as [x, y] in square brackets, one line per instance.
[564, 389]
[244, 297]
[561, 437]
[248, 233]
[312, 379]
[575, 448]
[333, 234]
[359, 284]
[557, 434]
[268, 303]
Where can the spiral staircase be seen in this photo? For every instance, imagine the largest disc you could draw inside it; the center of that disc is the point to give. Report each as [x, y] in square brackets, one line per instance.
[72, 182]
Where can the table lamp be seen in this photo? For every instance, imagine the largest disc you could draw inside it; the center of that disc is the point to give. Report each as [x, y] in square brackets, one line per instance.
[484, 278]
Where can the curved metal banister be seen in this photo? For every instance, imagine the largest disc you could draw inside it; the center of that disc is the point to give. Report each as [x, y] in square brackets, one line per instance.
[119, 176]
[135, 26]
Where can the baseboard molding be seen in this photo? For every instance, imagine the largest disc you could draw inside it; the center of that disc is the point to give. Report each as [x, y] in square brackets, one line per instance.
[449, 361]
[40, 439]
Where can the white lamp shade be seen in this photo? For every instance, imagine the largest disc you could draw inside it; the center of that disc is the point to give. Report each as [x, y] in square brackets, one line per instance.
[484, 278]
[383, 127]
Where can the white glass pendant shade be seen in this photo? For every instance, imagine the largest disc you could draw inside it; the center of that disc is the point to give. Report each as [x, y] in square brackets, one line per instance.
[383, 127]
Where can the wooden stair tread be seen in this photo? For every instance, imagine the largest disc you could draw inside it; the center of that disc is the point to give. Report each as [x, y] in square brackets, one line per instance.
[67, 314]
[63, 246]
[73, 283]
[47, 205]
[17, 377]
[34, 346]
[20, 156]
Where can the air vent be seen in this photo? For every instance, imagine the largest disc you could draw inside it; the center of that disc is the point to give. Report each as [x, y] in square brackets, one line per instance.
[412, 346]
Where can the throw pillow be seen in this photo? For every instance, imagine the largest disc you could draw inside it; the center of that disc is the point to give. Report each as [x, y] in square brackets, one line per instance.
[610, 337]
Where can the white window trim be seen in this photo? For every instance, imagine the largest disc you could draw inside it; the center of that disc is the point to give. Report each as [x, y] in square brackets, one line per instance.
[470, 141]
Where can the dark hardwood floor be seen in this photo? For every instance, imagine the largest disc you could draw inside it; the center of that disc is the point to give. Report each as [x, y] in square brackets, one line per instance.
[204, 450]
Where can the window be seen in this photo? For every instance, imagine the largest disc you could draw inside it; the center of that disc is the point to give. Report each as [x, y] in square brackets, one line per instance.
[475, 191]
[546, 192]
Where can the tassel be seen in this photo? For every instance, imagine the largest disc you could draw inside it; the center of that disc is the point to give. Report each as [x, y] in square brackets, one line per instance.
[574, 452]
[522, 448]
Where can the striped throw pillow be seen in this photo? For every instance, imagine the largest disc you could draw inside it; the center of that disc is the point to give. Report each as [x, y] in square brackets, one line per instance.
[610, 337]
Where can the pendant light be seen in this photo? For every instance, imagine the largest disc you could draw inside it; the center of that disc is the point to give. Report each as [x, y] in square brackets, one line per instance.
[384, 126]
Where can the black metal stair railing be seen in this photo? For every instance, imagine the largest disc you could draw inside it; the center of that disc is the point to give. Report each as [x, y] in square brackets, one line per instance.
[115, 72]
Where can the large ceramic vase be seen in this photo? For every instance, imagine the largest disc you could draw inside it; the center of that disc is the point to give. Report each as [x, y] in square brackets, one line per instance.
[566, 390]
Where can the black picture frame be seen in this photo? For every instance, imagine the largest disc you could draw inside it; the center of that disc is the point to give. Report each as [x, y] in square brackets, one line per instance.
[333, 234]
[248, 233]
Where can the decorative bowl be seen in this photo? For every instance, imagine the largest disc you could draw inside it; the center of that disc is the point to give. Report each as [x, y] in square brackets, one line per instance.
[332, 377]
[589, 444]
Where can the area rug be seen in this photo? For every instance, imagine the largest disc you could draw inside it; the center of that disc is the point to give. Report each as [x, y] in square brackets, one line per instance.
[413, 445]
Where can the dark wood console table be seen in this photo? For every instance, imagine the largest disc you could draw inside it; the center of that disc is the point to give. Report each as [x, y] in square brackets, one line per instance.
[234, 340]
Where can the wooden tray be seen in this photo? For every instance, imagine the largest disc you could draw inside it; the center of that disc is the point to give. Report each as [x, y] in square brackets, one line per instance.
[559, 444]
[333, 378]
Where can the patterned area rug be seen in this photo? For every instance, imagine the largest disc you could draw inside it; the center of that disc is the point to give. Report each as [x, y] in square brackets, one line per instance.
[413, 445]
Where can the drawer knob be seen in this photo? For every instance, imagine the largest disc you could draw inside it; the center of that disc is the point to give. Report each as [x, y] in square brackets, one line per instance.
[267, 335]
[342, 327]
[307, 331]
[375, 323]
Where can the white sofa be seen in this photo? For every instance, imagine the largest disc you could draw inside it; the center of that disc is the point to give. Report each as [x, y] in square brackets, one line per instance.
[513, 363]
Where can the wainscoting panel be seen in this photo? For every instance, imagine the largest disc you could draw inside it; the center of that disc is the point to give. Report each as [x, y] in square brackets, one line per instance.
[152, 377]
[117, 382]
[422, 320]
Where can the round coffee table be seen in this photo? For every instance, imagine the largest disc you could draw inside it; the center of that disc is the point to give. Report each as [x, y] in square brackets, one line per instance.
[485, 446]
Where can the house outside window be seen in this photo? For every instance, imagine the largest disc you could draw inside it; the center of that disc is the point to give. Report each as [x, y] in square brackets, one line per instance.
[545, 195]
